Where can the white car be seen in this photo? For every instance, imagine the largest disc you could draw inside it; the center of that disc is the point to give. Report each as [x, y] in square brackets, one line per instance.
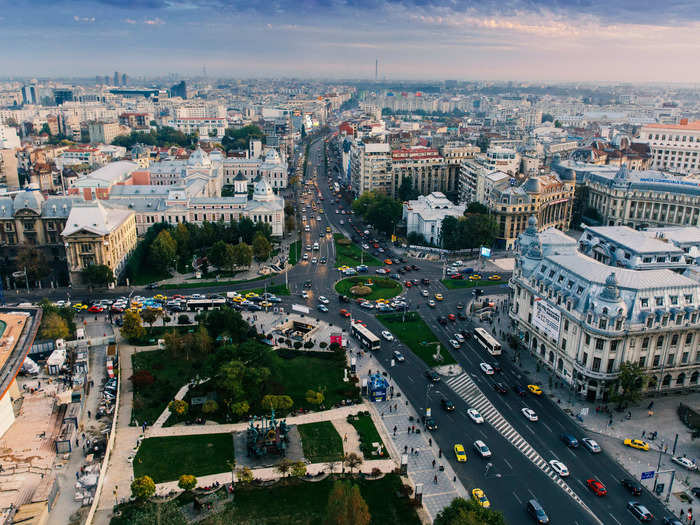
[337, 212]
[458, 263]
[62, 303]
[685, 462]
[323, 300]
[314, 261]
[387, 335]
[486, 369]
[459, 338]
[474, 415]
[482, 449]
[424, 293]
[455, 344]
[305, 257]
[399, 356]
[559, 467]
[591, 444]
[367, 305]
[304, 295]
[365, 246]
[530, 414]
[381, 271]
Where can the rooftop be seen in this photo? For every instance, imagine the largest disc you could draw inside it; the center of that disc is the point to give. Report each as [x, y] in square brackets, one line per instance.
[687, 126]
[634, 240]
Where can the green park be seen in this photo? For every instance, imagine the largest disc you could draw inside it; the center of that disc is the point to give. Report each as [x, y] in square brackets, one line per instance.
[347, 253]
[413, 331]
[368, 287]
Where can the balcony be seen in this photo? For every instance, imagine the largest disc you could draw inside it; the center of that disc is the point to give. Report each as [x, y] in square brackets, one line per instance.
[586, 372]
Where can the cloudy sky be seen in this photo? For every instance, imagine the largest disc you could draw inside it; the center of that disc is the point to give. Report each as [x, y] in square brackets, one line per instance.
[620, 40]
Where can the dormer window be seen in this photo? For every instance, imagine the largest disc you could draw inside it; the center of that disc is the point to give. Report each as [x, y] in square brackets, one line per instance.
[659, 301]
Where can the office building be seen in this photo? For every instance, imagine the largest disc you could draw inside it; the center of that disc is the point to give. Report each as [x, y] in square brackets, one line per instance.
[371, 168]
[103, 132]
[674, 147]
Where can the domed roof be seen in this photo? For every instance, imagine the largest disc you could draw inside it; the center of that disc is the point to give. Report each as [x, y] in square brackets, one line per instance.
[532, 224]
[29, 200]
[199, 158]
[611, 292]
[263, 191]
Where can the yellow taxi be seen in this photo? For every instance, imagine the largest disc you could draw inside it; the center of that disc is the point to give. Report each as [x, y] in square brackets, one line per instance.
[238, 299]
[250, 295]
[343, 268]
[160, 297]
[475, 277]
[460, 453]
[265, 304]
[479, 496]
[534, 389]
[328, 229]
[494, 277]
[388, 261]
[80, 306]
[636, 443]
[438, 297]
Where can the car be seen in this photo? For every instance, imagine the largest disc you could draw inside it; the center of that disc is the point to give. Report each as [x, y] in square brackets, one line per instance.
[482, 449]
[442, 320]
[447, 405]
[496, 366]
[461, 315]
[430, 424]
[344, 313]
[451, 317]
[399, 356]
[597, 487]
[314, 261]
[685, 462]
[500, 388]
[323, 260]
[529, 414]
[323, 300]
[438, 297]
[387, 335]
[95, 309]
[432, 375]
[459, 306]
[367, 305]
[486, 369]
[432, 304]
[569, 440]
[387, 261]
[475, 277]
[591, 444]
[535, 510]
[425, 281]
[322, 308]
[534, 389]
[408, 284]
[362, 268]
[639, 511]
[80, 306]
[559, 467]
[457, 276]
[519, 390]
[424, 293]
[459, 337]
[479, 496]
[460, 453]
[494, 277]
[455, 344]
[305, 257]
[636, 443]
[631, 485]
[381, 271]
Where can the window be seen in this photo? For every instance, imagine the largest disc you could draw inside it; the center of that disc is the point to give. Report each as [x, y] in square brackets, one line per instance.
[674, 299]
[633, 342]
[611, 364]
[588, 339]
[563, 344]
[657, 360]
[596, 364]
[688, 338]
[674, 340]
[659, 341]
[613, 345]
[599, 344]
[689, 299]
[684, 357]
[584, 359]
[659, 301]
[603, 324]
[670, 359]
[579, 290]
[642, 361]
[618, 324]
[650, 321]
[566, 325]
[645, 302]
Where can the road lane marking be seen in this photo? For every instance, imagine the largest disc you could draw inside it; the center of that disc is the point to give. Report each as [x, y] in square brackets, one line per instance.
[615, 519]
[571, 452]
[516, 497]
[547, 426]
[410, 379]
[508, 463]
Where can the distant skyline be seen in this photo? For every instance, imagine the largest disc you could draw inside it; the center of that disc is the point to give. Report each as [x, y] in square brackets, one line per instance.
[530, 40]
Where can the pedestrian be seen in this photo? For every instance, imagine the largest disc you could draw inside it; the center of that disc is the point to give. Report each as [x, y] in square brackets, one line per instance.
[83, 436]
[417, 451]
[77, 475]
[77, 443]
[409, 429]
[406, 402]
[433, 463]
[454, 479]
[643, 433]
[346, 438]
[394, 431]
[665, 449]
[382, 414]
[405, 448]
[430, 441]
[435, 479]
[413, 428]
[89, 414]
[411, 450]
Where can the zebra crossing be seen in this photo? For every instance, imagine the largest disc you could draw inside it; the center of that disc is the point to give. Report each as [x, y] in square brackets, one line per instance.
[470, 392]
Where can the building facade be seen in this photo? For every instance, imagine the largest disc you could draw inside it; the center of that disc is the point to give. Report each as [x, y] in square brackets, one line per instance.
[371, 168]
[425, 214]
[583, 319]
[674, 147]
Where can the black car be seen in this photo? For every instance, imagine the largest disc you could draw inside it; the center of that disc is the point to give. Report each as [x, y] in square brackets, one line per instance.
[569, 440]
[432, 375]
[460, 306]
[442, 320]
[519, 390]
[425, 281]
[430, 424]
[500, 388]
[252, 307]
[478, 292]
[461, 315]
[307, 284]
[496, 366]
[640, 511]
[415, 268]
[632, 486]
[447, 404]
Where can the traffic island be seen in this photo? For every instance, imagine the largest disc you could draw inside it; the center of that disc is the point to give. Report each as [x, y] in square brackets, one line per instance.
[370, 288]
[412, 330]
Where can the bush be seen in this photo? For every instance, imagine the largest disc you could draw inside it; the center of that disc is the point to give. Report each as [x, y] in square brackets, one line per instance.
[142, 378]
[309, 344]
[323, 344]
[376, 472]
[360, 290]
[210, 406]
[297, 345]
[183, 319]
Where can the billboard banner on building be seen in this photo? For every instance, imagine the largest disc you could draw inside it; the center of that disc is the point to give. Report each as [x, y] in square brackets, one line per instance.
[547, 318]
[485, 252]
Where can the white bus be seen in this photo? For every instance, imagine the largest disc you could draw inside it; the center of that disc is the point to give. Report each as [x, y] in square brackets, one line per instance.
[367, 338]
[486, 340]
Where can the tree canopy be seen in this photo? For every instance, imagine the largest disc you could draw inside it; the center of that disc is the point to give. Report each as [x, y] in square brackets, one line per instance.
[346, 506]
[53, 326]
[132, 327]
[468, 512]
[98, 275]
[379, 210]
[237, 139]
[468, 232]
[406, 191]
[163, 137]
[627, 388]
[34, 262]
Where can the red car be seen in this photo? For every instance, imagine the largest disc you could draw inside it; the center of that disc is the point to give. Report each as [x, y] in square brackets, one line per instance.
[117, 309]
[457, 276]
[95, 309]
[452, 317]
[344, 313]
[375, 245]
[597, 487]
[408, 284]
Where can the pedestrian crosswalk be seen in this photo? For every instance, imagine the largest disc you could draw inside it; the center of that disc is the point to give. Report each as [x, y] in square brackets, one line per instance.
[470, 392]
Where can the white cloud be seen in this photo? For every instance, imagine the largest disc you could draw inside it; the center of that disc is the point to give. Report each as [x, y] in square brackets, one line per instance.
[130, 21]
[84, 19]
[154, 22]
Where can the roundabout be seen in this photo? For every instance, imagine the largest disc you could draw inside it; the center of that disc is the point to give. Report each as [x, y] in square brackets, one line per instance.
[370, 288]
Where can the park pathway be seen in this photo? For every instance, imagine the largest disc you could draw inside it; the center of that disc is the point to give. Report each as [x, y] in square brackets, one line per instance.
[350, 437]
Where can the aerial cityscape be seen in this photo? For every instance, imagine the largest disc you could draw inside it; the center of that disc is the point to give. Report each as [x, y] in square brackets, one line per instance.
[349, 263]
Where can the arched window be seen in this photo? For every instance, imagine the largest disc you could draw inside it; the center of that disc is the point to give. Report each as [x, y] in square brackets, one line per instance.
[542, 350]
[694, 377]
[560, 364]
[551, 357]
[653, 380]
[680, 379]
[667, 380]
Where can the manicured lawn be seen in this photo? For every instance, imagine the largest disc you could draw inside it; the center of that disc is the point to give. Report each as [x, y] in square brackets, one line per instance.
[157, 332]
[351, 254]
[167, 458]
[321, 442]
[457, 284]
[416, 335]
[294, 254]
[368, 434]
[383, 287]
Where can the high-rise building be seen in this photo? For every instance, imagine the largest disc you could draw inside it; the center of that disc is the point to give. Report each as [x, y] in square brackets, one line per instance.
[116, 78]
[31, 94]
[179, 90]
[124, 79]
[62, 95]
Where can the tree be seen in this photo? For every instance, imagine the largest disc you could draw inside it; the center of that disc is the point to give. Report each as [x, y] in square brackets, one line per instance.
[132, 327]
[178, 407]
[450, 233]
[478, 230]
[162, 252]
[352, 460]
[476, 207]
[240, 408]
[289, 223]
[142, 378]
[247, 229]
[244, 475]
[303, 132]
[210, 407]
[46, 129]
[34, 262]
[627, 388]
[406, 191]
[218, 254]
[468, 512]
[53, 326]
[226, 322]
[346, 506]
[98, 275]
[237, 139]
[283, 467]
[361, 205]
[313, 397]
[261, 247]
[181, 236]
[298, 469]
[142, 488]
[242, 254]
[281, 403]
[557, 124]
[187, 482]
[150, 316]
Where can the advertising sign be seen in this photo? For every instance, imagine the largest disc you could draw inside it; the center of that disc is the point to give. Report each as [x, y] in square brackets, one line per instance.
[547, 318]
[337, 338]
[485, 252]
[648, 475]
